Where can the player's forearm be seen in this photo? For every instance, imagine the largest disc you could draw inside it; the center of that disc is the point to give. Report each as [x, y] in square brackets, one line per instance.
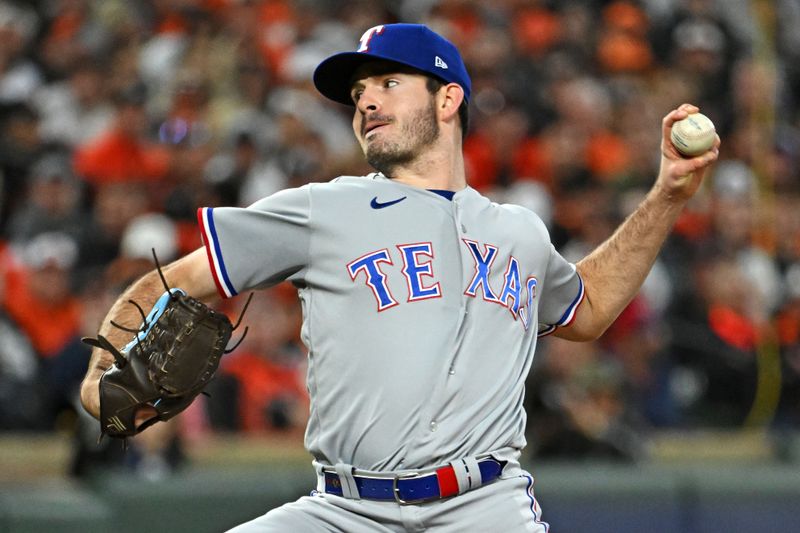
[144, 292]
[615, 271]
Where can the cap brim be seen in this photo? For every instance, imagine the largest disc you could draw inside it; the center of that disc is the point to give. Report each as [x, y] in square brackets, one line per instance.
[334, 76]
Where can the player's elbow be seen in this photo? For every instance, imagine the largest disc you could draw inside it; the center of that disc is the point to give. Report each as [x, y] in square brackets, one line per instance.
[588, 325]
[581, 332]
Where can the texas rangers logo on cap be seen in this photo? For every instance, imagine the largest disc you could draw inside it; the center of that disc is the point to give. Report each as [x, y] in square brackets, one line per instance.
[411, 45]
[364, 41]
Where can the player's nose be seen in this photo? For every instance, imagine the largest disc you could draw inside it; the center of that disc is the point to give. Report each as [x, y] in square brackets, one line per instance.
[368, 102]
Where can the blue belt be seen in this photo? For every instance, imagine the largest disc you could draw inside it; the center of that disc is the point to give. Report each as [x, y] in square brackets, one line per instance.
[413, 487]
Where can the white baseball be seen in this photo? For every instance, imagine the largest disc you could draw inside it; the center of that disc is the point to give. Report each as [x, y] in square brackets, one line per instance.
[693, 135]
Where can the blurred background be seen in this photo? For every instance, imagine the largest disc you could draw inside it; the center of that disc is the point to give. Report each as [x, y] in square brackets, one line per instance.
[119, 118]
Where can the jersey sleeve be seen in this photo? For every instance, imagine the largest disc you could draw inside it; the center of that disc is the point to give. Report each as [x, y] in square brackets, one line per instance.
[259, 245]
[561, 295]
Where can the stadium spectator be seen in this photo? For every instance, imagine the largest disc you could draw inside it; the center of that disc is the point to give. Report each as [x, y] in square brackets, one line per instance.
[53, 202]
[268, 369]
[125, 153]
[21, 398]
[40, 298]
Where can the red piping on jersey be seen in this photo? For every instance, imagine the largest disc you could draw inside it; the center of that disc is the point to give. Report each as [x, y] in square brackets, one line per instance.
[207, 246]
[575, 311]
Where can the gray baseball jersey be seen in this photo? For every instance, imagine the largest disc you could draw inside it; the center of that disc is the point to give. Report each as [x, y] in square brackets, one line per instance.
[420, 313]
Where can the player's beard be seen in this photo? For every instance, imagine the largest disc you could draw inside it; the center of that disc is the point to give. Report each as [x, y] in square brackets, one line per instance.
[416, 134]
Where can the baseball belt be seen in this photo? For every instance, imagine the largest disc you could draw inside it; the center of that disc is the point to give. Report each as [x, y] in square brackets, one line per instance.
[405, 488]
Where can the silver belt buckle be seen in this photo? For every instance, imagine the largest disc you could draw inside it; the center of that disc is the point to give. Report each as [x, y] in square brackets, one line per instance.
[396, 489]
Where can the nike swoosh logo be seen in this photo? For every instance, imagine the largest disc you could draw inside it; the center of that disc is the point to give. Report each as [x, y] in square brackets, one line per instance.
[375, 204]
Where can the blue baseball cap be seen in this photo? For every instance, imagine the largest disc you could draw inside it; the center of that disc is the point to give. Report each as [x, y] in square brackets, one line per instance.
[410, 45]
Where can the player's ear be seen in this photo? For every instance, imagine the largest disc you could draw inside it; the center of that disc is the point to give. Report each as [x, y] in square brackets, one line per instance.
[449, 100]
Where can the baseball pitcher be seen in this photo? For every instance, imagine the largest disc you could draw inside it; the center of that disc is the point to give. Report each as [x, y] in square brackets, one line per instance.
[422, 301]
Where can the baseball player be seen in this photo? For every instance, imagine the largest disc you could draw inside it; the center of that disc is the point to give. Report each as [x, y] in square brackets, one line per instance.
[422, 301]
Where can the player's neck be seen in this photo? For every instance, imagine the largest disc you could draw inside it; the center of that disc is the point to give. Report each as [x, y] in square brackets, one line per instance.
[435, 169]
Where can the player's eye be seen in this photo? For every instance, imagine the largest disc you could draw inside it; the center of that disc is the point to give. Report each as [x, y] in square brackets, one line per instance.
[390, 83]
[356, 94]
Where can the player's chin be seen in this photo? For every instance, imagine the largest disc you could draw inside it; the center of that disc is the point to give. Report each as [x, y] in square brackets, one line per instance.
[386, 160]
[375, 149]
[375, 140]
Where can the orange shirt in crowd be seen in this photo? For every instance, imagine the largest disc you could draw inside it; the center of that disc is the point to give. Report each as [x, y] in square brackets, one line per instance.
[262, 381]
[116, 157]
[48, 326]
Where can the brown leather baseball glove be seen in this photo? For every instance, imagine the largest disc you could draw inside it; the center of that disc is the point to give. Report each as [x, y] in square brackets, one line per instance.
[172, 357]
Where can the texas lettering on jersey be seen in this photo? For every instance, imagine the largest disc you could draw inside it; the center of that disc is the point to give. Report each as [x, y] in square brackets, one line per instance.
[417, 259]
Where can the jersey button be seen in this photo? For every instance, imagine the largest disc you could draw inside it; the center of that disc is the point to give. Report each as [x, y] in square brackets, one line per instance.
[434, 425]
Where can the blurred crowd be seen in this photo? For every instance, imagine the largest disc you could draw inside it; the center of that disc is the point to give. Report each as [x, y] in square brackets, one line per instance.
[118, 119]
